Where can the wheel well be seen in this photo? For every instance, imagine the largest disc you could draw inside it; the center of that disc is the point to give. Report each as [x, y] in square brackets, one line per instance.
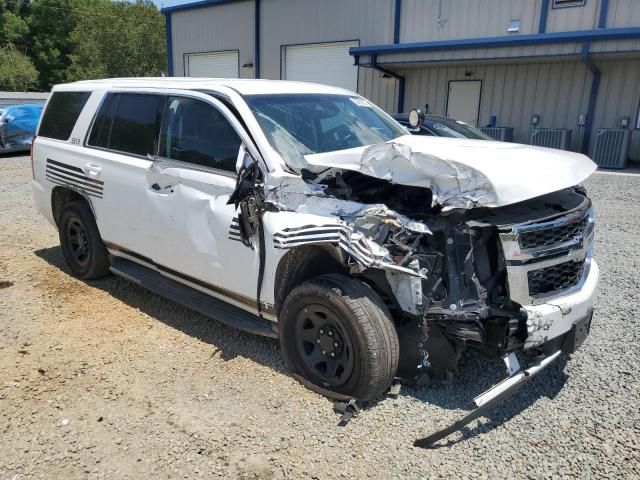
[302, 263]
[60, 197]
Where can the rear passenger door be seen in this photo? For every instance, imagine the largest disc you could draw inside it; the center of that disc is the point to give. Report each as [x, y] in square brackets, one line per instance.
[194, 176]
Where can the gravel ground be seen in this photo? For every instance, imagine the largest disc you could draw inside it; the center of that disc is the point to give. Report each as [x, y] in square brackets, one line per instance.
[105, 380]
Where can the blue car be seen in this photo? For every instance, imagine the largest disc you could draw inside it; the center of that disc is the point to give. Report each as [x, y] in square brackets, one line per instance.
[18, 125]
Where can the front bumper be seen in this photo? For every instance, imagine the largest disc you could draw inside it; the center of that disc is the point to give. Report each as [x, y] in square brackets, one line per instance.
[556, 317]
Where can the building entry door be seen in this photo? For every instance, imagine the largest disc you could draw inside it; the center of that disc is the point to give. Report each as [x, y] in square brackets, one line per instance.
[463, 101]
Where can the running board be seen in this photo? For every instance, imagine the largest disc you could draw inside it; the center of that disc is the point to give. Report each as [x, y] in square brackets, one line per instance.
[490, 398]
[194, 299]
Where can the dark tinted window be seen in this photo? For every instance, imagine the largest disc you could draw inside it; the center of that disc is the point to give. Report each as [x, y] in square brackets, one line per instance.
[102, 125]
[198, 133]
[62, 112]
[135, 123]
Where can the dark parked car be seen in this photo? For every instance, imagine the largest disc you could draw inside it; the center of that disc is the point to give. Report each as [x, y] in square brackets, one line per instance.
[434, 125]
[18, 125]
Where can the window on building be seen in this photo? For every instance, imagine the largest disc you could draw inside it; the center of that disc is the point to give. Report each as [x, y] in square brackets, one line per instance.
[62, 113]
[136, 122]
[195, 132]
[568, 3]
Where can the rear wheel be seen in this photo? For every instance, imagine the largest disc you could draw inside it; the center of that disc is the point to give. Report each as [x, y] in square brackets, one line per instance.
[81, 243]
[337, 334]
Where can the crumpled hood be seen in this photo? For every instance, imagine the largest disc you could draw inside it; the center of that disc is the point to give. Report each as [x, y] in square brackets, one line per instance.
[465, 173]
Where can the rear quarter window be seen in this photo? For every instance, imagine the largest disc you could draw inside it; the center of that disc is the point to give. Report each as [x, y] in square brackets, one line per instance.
[61, 114]
[128, 123]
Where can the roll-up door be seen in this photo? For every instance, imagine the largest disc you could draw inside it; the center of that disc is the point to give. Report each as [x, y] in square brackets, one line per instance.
[213, 64]
[327, 63]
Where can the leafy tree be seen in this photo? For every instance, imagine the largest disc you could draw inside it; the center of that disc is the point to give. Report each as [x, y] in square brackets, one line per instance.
[50, 25]
[117, 39]
[16, 70]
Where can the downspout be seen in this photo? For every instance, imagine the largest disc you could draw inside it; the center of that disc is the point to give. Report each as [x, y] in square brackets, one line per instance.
[604, 11]
[593, 95]
[374, 65]
[256, 40]
[167, 17]
[396, 21]
[544, 13]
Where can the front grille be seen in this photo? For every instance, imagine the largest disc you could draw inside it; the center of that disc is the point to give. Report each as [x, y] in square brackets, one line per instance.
[555, 277]
[553, 235]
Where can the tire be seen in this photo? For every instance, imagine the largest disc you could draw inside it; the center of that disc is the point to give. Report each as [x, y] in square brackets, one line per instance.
[337, 334]
[82, 246]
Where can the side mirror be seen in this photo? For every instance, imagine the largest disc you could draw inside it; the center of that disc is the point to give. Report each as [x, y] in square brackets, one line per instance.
[416, 117]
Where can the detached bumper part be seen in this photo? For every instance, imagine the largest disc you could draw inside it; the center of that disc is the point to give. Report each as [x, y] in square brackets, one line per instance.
[491, 397]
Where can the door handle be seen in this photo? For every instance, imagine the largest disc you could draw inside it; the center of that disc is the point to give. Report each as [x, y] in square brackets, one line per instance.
[162, 190]
[92, 170]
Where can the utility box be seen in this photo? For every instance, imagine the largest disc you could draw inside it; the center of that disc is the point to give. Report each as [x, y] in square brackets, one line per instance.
[502, 134]
[559, 138]
[612, 147]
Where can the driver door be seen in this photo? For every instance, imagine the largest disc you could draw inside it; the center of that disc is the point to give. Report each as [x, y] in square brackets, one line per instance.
[190, 183]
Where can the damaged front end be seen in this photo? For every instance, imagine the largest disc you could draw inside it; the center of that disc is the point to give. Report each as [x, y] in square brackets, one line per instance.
[442, 243]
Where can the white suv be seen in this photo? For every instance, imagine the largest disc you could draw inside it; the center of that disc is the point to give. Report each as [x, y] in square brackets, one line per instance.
[305, 213]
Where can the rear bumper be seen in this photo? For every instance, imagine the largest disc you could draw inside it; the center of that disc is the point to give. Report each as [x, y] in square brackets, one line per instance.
[555, 318]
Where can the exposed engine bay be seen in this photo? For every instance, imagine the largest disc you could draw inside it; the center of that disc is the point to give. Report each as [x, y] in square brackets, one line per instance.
[460, 298]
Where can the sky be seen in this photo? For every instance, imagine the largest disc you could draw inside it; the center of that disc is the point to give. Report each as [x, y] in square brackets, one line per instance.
[171, 3]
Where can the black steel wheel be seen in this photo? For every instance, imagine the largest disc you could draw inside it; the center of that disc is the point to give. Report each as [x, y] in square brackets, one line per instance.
[81, 243]
[78, 243]
[338, 337]
[326, 347]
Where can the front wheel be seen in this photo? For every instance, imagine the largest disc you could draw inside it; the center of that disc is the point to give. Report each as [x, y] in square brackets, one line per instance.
[338, 335]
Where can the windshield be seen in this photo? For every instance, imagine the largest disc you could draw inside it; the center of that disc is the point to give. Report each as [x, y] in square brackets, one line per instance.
[454, 128]
[302, 124]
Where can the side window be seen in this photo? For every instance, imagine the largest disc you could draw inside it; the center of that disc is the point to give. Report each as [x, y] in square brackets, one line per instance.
[135, 124]
[101, 130]
[195, 132]
[61, 114]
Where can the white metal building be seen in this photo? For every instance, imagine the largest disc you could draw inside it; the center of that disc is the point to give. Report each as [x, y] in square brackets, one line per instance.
[559, 72]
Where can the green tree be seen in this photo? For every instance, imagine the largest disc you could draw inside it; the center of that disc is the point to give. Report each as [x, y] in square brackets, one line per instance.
[50, 25]
[117, 39]
[16, 70]
[13, 25]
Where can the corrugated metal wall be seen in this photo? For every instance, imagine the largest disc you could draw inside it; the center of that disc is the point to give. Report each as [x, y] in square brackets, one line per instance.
[426, 20]
[223, 27]
[557, 91]
[313, 21]
[619, 97]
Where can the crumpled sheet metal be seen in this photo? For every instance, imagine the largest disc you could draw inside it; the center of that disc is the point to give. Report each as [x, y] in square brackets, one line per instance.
[355, 238]
[463, 173]
[453, 184]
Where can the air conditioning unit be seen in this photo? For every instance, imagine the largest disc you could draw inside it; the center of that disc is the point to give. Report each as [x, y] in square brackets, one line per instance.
[502, 134]
[559, 138]
[612, 147]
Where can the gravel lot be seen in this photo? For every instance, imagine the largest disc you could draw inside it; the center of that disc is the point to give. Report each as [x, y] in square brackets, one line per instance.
[105, 380]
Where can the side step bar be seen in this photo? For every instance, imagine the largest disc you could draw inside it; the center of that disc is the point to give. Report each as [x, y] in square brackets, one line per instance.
[190, 297]
[490, 398]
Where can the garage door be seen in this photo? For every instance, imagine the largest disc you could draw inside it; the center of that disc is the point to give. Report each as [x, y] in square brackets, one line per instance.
[328, 63]
[215, 64]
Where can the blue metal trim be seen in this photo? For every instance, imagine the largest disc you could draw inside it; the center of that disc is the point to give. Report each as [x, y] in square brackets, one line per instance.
[500, 42]
[593, 96]
[200, 4]
[401, 81]
[168, 30]
[544, 13]
[256, 40]
[604, 11]
[396, 21]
